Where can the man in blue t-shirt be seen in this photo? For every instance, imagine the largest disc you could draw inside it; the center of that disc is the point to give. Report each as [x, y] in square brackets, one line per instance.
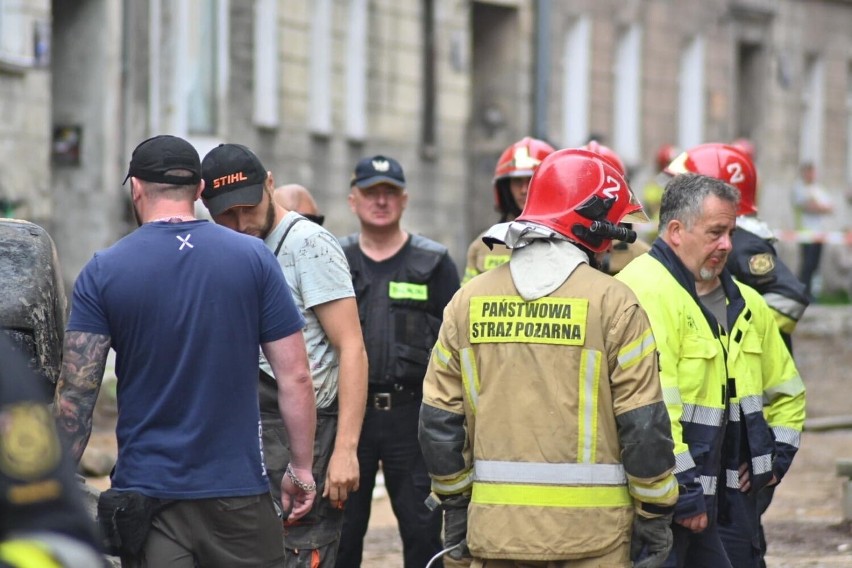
[185, 304]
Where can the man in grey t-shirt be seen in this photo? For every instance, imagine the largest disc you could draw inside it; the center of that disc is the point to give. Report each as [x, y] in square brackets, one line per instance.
[239, 196]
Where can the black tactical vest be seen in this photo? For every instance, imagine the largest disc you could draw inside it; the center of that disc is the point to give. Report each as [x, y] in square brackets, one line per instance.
[400, 316]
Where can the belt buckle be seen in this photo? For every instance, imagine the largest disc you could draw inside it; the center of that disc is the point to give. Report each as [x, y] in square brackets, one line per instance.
[382, 400]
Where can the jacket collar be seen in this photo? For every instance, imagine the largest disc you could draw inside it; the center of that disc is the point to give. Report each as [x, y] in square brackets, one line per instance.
[663, 253]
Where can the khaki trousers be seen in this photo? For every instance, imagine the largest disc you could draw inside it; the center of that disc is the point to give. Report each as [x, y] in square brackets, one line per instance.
[230, 532]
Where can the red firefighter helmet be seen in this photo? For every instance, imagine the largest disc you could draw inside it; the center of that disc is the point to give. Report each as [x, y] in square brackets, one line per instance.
[518, 160]
[724, 162]
[607, 154]
[665, 154]
[574, 192]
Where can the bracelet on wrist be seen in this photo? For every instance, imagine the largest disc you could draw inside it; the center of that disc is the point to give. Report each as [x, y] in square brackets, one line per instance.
[306, 487]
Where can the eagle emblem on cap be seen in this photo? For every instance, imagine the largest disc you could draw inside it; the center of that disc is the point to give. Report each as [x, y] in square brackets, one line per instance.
[381, 165]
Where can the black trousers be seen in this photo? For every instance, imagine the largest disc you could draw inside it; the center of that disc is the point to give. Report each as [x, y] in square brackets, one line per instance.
[697, 550]
[390, 437]
[740, 532]
[810, 255]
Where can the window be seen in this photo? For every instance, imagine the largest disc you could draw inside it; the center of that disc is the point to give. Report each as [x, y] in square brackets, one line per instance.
[356, 71]
[199, 68]
[849, 124]
[691, 95]
[24, 40]
[266, 63]
[577, 80]
[627, 112]
[320, 71]
[813, 106]
[190, 60]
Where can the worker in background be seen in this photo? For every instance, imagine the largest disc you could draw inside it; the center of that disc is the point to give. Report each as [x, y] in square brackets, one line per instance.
[295, 197]
[652, 192]
[511, 182]
[402, 282]
[813, 206]
[621, 252]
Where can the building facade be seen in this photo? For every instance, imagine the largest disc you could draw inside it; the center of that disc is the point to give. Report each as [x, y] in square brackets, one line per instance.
[442, 85]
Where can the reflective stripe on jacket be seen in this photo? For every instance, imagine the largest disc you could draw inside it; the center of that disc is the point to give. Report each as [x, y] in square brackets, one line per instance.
[522, 406]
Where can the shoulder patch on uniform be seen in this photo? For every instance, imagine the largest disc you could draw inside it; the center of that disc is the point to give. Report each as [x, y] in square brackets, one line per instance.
[760, 264]
[29, 446]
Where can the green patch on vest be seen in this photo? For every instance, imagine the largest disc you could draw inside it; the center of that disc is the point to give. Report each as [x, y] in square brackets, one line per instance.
[509, 319]
[408, 291]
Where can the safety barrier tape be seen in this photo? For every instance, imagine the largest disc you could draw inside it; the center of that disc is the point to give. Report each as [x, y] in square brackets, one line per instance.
[827, 237]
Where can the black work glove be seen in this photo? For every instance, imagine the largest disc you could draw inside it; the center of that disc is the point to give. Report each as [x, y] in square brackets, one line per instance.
[655, 536]
[455, 525]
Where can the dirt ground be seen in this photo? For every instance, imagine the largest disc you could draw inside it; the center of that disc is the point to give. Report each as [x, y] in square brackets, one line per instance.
[804, 525]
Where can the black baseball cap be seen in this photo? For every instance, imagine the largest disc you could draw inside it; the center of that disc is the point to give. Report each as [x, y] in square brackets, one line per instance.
[233, 176]
[155, 156]
[378, 169]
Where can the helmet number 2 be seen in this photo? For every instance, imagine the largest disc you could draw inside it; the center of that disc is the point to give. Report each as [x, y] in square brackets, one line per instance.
[735, 171]
[612, 189]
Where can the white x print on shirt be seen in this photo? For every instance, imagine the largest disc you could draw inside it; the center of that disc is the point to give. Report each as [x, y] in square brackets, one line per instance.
[184, 242]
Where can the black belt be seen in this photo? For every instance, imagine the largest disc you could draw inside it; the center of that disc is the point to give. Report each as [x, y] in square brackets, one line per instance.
[387, 397]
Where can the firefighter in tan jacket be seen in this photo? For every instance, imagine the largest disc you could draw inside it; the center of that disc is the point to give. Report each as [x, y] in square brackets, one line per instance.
[543, 425]
[511, 182]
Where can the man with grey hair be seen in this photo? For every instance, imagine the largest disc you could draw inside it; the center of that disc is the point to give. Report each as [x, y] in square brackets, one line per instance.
[721, 355]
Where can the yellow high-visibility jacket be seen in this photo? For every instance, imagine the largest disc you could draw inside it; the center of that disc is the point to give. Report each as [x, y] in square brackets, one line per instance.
[713, 379]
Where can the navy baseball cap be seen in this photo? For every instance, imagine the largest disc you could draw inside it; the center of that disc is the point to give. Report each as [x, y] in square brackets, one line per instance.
[378, 169]
[153, 158]
[233, 176]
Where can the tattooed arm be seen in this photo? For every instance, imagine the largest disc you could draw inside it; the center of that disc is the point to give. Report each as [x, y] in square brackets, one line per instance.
[84, 357]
